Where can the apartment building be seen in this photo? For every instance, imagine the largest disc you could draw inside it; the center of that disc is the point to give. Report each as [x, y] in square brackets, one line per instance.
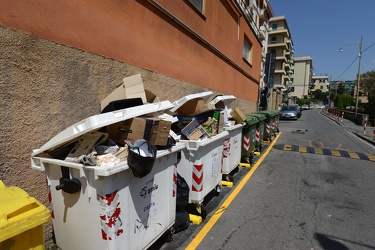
[320, 82]
[258, 14]
[302, 75]
[280, 44]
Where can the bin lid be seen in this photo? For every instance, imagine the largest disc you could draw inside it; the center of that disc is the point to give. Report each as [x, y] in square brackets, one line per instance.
[224, 99]
[251, 120]
[19, 212]
[179, 103]
[260, 117]
[267, 113]
[96, 122]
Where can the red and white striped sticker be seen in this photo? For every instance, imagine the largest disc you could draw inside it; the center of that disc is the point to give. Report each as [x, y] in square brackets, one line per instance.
[268, 128]
[246, 142]
[226, 149]
[174, 180]
[257, 135]
[197, 185]
[110, 220]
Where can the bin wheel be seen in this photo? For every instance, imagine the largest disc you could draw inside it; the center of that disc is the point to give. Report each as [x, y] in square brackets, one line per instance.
[228, 177]
[197, 209]
[168, 235]
[217, 190]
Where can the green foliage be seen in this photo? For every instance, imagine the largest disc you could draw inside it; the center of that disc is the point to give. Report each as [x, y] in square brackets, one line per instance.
[339, 102]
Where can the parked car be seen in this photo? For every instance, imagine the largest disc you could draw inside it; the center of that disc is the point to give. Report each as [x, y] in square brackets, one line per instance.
[290, 112]
[299, 109]
[305, 107]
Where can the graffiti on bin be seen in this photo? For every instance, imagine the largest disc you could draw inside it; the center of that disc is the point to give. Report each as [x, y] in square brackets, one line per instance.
[197, 184]
[111, 224]
[140, 225]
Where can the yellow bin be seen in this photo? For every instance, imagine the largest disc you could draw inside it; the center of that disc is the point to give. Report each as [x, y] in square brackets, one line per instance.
[21, 220]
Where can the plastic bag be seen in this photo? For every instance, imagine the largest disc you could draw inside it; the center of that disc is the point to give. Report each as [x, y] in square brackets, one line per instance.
[141, 158]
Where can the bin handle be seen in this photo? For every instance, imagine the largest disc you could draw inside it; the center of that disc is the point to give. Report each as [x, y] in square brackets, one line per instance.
[57, 163]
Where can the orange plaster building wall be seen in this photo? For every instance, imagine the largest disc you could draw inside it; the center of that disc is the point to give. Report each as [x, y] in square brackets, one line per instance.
[139, 33]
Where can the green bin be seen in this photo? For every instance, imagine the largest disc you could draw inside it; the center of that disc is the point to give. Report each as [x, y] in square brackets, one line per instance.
[248, 138]
[269, 124]
[259, 134]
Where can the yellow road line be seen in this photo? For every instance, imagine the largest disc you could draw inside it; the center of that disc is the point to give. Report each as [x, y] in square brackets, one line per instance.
[215, 217]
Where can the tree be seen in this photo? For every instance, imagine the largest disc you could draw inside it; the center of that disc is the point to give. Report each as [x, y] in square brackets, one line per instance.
[368, 87]
[318, 94]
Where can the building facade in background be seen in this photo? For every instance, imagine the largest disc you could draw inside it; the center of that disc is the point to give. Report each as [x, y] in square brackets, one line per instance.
[280, 44]
[303, 67]
[320, 82]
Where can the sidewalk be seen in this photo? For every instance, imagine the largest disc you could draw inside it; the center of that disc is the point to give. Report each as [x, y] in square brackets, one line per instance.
[358, 130]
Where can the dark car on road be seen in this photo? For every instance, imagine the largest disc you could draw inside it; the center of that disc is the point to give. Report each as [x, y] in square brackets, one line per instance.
[289, 112]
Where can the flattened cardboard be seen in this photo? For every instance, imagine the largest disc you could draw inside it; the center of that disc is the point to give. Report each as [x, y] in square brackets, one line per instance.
[193, 131]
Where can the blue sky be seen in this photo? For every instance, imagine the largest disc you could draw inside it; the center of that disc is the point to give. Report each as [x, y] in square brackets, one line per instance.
[320, 27]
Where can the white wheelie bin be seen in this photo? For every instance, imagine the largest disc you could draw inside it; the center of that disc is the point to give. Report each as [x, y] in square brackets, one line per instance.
[107, 207]
[232, 143]
[201, 162]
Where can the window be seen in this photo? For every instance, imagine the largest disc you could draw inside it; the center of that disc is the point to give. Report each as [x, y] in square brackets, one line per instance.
[273, 39]
[273, 51]
[321, 87]
[274, 26]
[198, 4]
[246, 54]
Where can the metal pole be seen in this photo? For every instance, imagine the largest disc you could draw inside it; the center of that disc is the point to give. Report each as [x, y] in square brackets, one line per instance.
[358, 77]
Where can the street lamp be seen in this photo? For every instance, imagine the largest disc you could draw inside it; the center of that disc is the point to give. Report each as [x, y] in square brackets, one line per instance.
[359, 71]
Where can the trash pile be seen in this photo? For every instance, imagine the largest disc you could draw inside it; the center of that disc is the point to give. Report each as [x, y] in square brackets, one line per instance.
[191, 118]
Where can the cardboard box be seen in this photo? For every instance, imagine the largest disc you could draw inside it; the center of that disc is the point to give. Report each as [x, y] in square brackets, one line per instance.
[194, 107]
[160, 132]
[154, 130]
[131, 130]
[193, 131]
[237, 115]
[132, 87]
[151, 97]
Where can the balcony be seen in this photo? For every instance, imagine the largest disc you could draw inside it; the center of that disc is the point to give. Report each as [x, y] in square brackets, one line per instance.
[283, 32]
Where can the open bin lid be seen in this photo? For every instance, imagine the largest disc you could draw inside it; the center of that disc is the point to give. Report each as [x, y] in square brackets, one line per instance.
[95, 122]
[225, 100]
[19, 212]
[179, 103]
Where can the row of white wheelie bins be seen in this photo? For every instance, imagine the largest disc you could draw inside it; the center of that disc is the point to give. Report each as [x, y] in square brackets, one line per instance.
[112, 177]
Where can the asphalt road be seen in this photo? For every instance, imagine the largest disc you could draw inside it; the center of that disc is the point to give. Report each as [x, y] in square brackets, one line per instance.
[312, 188]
